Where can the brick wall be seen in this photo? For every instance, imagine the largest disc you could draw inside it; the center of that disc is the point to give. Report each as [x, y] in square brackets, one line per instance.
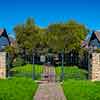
[2, 65]
[94, 67]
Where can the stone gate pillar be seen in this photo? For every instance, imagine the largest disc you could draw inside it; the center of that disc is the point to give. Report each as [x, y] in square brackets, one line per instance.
[2, 65]
[94, 67]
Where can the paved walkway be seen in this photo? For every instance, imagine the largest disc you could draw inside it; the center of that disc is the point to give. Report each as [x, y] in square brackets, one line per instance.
[49, 90]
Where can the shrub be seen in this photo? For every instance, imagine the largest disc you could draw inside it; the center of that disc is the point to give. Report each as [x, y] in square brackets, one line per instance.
[18, 62]
[72, 73]
[27, 71]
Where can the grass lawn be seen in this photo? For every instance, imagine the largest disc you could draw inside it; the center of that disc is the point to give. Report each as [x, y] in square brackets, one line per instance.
[81, 90]
[27, 71]
[17, 89]
[72, 72]
[76, 86]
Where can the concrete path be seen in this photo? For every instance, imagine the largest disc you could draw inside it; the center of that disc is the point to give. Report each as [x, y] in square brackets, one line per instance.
[49, 89]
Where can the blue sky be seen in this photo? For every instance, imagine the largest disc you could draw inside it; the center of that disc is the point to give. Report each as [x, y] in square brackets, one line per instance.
[13, 12]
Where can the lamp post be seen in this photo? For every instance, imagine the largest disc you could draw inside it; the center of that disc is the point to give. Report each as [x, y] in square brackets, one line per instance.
[49, 56]
[62, 65]
[33, 69]
[8, 65]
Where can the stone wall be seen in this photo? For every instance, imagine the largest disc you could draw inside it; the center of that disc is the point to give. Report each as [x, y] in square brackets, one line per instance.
[94, 67]
[2, 65]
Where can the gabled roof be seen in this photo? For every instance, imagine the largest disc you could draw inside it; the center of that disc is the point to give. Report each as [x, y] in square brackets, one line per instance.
[87, 40]
[1, 31]
[4, 39]
[97, 34]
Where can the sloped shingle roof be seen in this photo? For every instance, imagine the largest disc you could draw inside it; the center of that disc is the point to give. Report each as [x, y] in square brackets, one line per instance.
[86, 42]
[97, 35]
[4, 39]
[1, 31]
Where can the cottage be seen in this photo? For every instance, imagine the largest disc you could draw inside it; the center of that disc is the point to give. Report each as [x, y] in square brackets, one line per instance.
[92, 43]
[4, 41]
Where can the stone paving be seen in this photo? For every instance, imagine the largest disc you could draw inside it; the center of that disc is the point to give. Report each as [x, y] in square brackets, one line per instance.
[49, 89]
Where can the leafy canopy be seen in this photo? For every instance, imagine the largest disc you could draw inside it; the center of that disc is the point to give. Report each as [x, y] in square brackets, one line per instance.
[58, 36]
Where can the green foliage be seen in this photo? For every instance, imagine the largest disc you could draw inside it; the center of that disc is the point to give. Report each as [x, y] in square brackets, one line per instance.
[81, 90]
[17, 89]
[10, 49]
[56, 36]
[66, 36]
[11, 52]
[97, 50]
[72, 72]
[18, 62]
[27, 71]
[27, 35]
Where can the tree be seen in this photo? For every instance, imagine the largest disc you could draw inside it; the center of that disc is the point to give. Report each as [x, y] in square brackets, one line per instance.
[75, 33]
[11, 52]
[56, 37]
[27, 38]
[27, 35]
[66, 36]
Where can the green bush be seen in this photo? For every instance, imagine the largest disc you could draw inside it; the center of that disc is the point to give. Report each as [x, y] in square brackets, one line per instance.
[17, 89]
[18, 62]
[27, 71]
[81, 90]
[72, 73]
